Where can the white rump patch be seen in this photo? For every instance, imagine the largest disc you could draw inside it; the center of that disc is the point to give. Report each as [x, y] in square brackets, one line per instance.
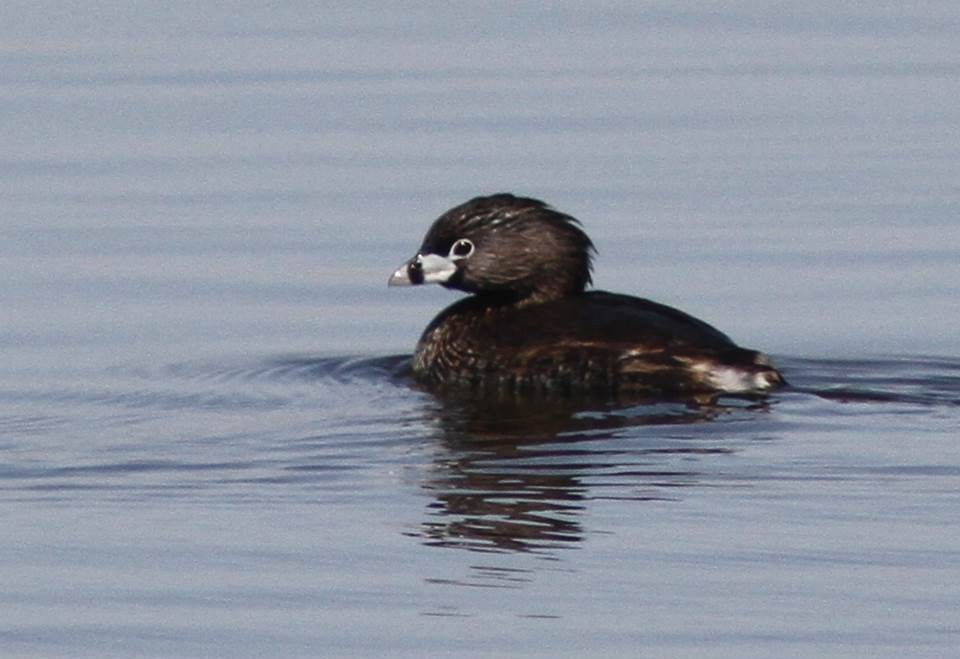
[734, 380]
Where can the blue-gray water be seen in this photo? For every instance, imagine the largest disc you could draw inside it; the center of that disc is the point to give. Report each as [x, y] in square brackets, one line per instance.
[209, 448]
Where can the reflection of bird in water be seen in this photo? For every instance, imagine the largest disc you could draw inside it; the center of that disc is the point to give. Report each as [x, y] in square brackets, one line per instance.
[507, 511]
[515, 474]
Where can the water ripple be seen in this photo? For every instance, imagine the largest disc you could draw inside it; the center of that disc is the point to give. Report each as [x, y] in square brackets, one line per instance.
[500, 474]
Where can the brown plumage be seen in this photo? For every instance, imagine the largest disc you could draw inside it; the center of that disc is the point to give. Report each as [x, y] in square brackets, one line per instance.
[531, 326]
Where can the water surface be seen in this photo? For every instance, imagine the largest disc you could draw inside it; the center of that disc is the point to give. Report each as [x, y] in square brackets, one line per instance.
[209, 443]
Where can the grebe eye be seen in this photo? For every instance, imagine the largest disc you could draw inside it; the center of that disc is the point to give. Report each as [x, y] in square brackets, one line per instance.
[461, 249]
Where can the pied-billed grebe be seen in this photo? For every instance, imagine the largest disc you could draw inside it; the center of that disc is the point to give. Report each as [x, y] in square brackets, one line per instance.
[530, 325]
